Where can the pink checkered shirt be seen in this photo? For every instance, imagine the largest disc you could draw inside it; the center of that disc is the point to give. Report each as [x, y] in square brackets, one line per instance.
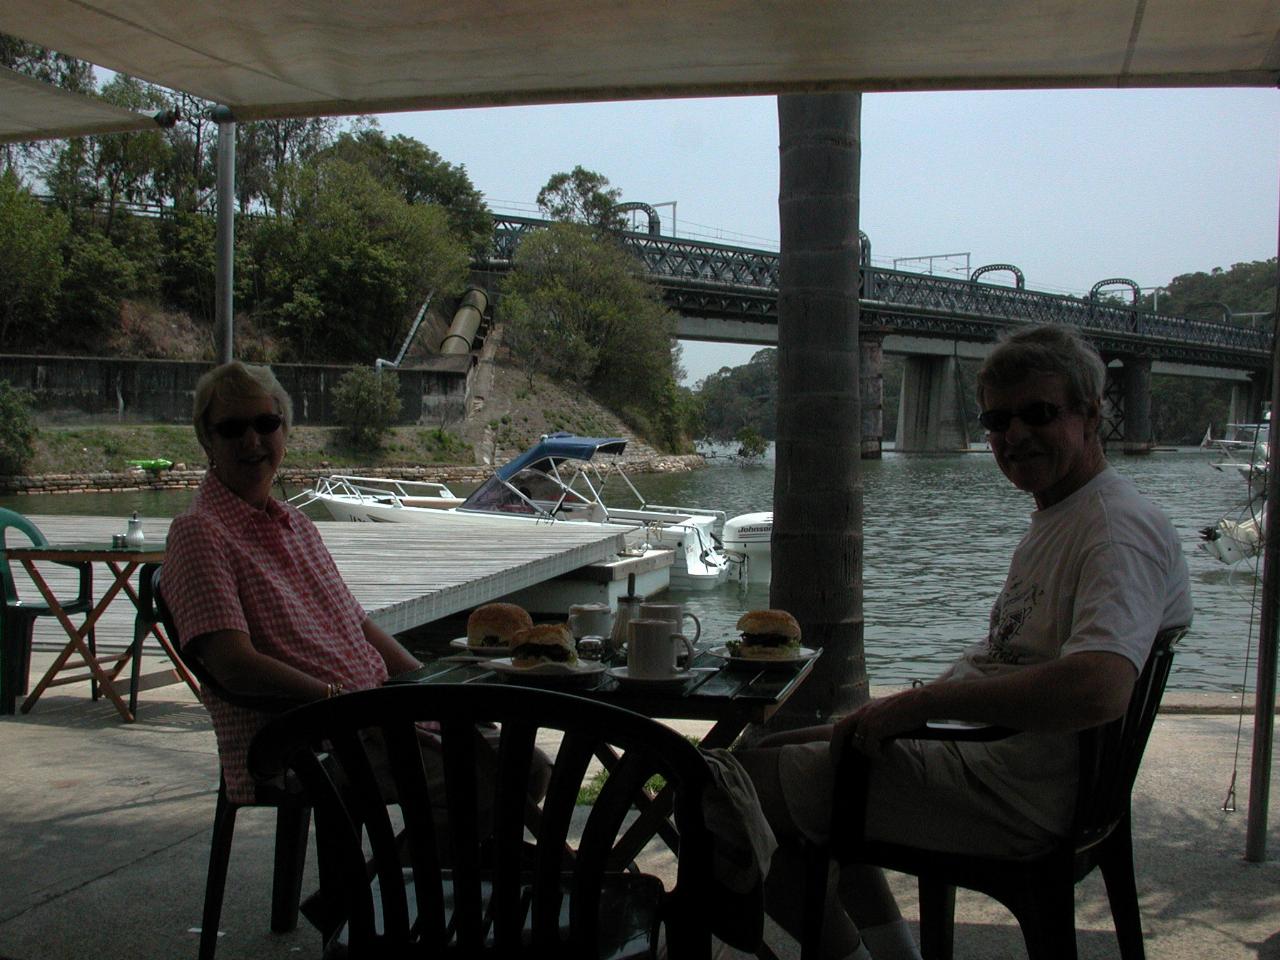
[266, 573]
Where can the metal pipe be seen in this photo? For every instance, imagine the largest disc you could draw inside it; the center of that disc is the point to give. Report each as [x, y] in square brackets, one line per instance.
[226, 242]
[466, 321]
[1264, 702]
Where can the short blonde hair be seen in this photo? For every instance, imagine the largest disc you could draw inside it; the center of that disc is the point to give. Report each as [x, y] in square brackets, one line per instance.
[236, 381]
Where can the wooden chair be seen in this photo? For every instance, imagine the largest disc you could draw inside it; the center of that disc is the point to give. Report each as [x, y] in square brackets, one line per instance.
[534, 893]
[293, 813]
[18, 622]
[1039, 890]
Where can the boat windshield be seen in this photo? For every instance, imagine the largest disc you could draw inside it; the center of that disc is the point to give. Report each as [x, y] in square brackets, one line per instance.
[529, 491]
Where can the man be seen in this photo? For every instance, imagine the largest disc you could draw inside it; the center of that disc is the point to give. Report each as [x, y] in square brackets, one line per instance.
[1099, 572]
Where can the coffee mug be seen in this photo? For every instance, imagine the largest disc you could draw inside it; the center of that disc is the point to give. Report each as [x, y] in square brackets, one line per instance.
[652, 649]
[673, 613]
[590, 619]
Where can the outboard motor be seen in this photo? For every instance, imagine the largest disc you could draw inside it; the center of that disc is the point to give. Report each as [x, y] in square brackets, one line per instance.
[748, 539]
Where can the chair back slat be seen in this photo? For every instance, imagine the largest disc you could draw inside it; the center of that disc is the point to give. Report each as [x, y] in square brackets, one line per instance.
[501, 894]
[12, 520]
[1110, 755]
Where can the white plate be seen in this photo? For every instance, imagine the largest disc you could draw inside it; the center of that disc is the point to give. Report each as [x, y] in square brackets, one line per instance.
[548, 671]
[801, 655]
[460, 643]
[675, 680]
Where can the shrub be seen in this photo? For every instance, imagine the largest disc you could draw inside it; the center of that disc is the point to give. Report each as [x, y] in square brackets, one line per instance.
[17, 429]
[367, 403]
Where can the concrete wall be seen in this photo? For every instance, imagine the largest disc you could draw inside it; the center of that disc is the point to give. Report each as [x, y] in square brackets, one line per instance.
[101, 389]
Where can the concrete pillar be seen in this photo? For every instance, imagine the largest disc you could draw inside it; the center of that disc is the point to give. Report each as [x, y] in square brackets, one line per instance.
[871, 387]
[1137, 406]
[931, 412]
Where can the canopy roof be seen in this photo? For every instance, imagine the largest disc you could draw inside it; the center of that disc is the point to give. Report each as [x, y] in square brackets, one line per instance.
[32, 110]
[264, 58]
[558, 447]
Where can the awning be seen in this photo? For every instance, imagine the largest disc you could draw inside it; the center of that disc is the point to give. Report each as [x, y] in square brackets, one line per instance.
[33, 110]
[264, 58]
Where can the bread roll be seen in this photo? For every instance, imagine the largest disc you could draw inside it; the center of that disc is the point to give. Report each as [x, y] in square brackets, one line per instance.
[495, 624]
[546, 643]
[768, 635]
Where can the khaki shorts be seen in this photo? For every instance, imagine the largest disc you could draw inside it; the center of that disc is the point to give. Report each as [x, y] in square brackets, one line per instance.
[920, 793]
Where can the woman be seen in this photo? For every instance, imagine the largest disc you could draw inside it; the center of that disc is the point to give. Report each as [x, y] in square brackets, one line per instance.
[254, 593]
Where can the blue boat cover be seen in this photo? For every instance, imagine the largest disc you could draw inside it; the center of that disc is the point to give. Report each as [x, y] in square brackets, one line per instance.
[557, 447]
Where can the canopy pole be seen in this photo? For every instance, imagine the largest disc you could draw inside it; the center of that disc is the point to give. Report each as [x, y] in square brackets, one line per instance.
[1264, 707]
[226, 243]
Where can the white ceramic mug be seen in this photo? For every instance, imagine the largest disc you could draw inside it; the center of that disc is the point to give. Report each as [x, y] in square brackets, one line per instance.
[590, 620]
[652, 649]
[673, 613]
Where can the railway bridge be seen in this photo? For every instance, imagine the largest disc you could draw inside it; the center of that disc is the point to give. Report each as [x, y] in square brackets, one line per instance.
[726, 293]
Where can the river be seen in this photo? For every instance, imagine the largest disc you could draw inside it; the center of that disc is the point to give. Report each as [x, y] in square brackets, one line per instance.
[938, 532]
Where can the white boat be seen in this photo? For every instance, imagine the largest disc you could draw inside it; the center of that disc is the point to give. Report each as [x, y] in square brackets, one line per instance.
[559, 479]
[1239, 535]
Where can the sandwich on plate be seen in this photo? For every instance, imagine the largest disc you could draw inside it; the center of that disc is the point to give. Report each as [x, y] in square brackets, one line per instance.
[766, 635]
[496, 624]
[545, 643]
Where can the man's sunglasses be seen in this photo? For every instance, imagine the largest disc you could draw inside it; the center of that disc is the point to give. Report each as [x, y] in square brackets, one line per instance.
[233, 428]
[1036, 414]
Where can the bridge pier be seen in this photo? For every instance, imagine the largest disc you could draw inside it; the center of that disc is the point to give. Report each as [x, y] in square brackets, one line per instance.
[932, 410]
[1126, 408]
[871, 390]
[1247, 399]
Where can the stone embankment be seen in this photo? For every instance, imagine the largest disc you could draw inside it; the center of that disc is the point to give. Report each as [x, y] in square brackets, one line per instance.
[178, 479]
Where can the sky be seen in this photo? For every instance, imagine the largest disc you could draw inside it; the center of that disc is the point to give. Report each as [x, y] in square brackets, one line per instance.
[1071, 186]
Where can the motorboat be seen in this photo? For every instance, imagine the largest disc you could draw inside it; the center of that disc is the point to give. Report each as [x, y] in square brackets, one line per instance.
[561, 478]
[1239, 535]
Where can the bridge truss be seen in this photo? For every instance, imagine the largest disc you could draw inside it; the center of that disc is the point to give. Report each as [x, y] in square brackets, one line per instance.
[702, 279]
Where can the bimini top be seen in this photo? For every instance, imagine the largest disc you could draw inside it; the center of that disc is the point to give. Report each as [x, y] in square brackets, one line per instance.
[557, 447]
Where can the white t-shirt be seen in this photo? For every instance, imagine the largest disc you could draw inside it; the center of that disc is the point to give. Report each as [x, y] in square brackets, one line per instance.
[1102, 570]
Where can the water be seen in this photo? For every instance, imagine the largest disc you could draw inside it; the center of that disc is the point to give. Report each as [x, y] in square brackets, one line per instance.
[938, 532]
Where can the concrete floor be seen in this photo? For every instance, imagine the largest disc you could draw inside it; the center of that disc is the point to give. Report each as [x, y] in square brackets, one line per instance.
[105, 828]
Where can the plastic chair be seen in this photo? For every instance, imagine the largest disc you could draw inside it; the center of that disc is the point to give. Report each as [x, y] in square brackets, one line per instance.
[18, 622]
[1040, 890]
[458, 892]
[293, 813]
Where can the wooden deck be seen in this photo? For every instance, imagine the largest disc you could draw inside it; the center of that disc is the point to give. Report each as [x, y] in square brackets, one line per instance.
[404, 574]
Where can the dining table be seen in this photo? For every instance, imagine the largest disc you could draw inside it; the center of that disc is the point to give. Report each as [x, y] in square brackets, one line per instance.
[731, 693]
[103, 672]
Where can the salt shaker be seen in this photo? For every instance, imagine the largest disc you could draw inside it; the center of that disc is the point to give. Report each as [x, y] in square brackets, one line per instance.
[591, 648]
[134, 537]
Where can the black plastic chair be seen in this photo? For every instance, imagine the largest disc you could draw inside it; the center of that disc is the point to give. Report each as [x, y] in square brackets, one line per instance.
[465, 893]
[1039, 890]
[293, 813]
[18, 623]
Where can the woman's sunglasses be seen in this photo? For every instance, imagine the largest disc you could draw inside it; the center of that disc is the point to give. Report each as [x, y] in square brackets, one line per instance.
[233, 428]
[1036, 414]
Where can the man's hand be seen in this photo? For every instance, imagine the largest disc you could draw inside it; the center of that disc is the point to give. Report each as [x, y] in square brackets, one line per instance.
[871, 724]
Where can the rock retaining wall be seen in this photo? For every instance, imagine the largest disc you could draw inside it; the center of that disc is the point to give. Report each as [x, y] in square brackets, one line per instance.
[183, 479]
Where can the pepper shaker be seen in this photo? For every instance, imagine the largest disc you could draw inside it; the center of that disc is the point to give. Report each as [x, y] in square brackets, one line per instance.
[134, 537]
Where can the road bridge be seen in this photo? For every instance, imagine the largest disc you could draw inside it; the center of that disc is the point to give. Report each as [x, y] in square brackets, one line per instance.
[724, 293]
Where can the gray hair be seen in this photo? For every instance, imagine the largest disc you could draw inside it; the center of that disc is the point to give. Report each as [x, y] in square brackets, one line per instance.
[237, 381]
[1046, 350]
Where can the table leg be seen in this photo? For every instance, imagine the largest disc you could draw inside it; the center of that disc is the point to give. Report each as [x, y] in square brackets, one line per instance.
[77, 635]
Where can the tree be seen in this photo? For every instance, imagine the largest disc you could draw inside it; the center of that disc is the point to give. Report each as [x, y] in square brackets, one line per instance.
[17, 430]
[743, 397]
[422, 176]
[817, 493]
[267, 149]
[31, 240]
[343, 272]
[367, 403]
[49, 67]
[581, 196]
[579, 310]
[125, 164]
